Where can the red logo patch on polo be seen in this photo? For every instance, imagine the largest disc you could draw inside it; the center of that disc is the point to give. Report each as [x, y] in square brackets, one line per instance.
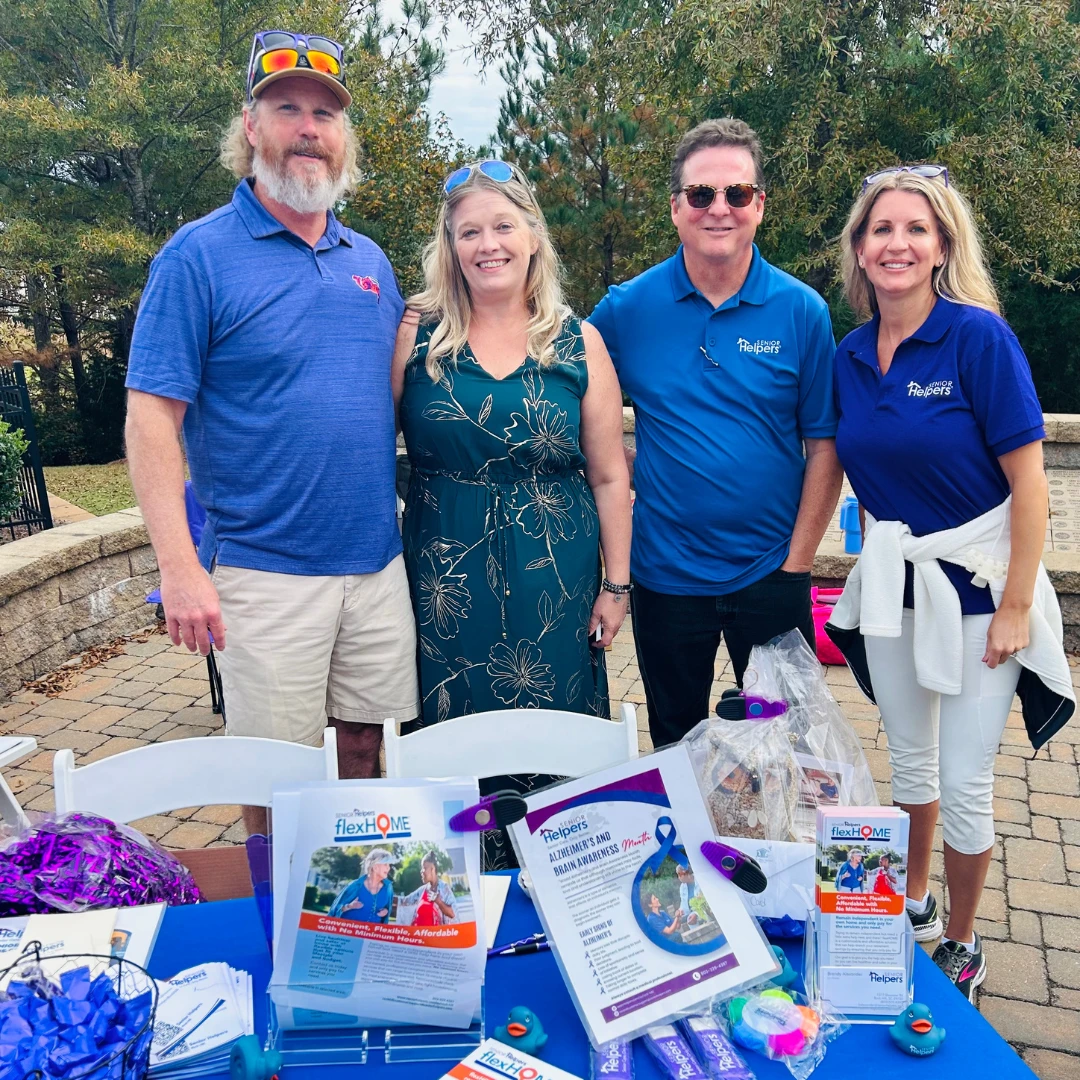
[369, 284]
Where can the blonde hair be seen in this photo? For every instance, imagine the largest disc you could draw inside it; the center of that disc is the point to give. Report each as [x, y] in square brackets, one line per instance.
[446, 300]
[963, 277]
[238, 155]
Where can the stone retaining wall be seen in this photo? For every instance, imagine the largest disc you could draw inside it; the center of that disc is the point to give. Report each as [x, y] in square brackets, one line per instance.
[85, 584]
[1062, 451]
[71, 587]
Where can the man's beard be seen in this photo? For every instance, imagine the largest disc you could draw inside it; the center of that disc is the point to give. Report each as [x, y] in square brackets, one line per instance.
[302, 192]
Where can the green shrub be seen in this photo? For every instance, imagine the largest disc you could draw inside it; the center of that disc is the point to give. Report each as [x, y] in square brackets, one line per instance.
[12, 448]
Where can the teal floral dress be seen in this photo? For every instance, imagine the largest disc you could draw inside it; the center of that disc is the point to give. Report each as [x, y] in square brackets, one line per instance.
[501, 537]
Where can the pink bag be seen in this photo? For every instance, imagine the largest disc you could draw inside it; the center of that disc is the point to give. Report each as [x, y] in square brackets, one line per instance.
[822, 601]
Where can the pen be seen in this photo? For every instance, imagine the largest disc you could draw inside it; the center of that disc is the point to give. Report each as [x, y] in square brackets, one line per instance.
[519, 950]
[538, 936]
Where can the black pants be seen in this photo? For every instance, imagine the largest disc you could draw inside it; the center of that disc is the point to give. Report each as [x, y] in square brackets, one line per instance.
[677, 638]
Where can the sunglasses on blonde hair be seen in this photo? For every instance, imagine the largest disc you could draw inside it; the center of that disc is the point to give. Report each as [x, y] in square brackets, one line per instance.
[502, 172]
[927, 171]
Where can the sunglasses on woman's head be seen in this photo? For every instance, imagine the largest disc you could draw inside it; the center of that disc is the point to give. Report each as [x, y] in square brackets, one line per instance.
[701, 196]
[499, 171]
[927, 171]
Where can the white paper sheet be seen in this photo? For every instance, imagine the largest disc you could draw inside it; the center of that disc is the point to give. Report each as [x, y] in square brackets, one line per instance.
[80, 933]
[790, 870]
[495, 888]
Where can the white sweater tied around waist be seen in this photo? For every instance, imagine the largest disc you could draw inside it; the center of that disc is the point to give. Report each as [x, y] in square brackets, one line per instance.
[873, 599]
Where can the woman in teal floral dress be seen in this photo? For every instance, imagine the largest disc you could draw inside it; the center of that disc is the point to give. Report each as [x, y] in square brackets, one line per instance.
[512, 419]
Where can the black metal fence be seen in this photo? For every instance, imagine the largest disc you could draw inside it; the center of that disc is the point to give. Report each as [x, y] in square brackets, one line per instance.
[33, 513]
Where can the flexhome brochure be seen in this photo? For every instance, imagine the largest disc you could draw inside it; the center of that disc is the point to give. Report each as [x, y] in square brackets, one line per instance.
[383, 913]
[862, 944]
[641, 924]
[493, 1060]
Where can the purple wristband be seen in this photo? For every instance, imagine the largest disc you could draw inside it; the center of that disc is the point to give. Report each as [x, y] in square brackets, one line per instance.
[673, 1053]
[714, 1049]
[613, 1061]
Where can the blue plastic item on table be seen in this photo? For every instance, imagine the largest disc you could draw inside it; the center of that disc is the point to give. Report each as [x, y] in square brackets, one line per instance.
[249, 1061]
[851, 526]
[523, 1031]
[915, 1031]
[231, 930]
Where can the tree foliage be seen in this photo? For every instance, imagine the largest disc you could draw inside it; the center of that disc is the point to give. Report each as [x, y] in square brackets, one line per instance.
[12, 447]
[574, 128]
[113, 116]
[836, 89]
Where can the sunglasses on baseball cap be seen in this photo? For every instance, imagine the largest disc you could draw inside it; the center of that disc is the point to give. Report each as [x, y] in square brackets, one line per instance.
[701, 196]
[277, 54]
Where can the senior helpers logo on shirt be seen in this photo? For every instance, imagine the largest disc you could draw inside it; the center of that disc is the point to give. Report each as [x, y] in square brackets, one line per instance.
[941, 388]
[759, 346]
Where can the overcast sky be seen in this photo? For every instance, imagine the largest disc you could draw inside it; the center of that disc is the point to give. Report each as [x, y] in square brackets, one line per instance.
[469, 99]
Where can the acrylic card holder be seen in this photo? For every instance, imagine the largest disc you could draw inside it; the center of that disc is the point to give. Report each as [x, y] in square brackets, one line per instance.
[861, 993]
[382, 917]
[317, 1041]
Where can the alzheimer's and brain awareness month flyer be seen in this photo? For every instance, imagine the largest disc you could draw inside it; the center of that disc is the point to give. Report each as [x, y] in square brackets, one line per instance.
[642, 925]
[383, 914]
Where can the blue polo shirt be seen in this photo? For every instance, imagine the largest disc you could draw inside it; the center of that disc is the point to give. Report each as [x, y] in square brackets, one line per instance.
[370, 903]
[723, 399]
[282, 353]
[921, 443]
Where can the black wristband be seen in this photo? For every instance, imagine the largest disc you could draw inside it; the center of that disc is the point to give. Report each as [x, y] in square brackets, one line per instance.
[619, 590]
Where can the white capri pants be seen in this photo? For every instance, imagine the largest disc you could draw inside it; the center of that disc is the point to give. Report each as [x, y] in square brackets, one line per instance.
[942, 746]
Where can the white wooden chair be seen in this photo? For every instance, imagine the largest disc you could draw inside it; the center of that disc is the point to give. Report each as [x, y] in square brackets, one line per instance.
[513, 741]
[205, 771]
[13, 748]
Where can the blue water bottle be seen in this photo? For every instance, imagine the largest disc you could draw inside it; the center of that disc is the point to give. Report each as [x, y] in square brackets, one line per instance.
[849, 523]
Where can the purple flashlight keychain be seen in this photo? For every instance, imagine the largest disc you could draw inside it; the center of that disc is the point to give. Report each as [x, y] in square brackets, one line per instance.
[738, 705]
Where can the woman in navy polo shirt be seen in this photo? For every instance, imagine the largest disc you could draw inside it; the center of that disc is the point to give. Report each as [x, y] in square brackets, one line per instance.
[940, 434]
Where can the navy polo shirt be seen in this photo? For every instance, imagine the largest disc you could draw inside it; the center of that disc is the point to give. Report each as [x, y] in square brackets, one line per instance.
[723, 399]
[921, 443]
[282, 352]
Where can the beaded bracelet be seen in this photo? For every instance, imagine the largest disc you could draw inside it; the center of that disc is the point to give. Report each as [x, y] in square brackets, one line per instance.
[619, 590]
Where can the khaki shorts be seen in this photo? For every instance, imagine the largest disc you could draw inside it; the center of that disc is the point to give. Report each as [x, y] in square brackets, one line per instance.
[299, 649]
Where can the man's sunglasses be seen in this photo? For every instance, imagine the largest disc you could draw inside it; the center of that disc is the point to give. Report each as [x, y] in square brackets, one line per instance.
[701, 196]
[500, 171]
[927, 171]
[279, 50]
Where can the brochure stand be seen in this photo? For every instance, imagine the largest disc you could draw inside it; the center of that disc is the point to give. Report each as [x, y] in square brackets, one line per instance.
[324, 1046]
[812, 950]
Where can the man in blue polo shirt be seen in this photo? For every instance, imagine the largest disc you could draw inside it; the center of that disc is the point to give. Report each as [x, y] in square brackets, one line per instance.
[728, 362]
[265, 335]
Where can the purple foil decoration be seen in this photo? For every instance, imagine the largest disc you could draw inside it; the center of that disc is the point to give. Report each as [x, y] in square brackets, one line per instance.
[77, 861]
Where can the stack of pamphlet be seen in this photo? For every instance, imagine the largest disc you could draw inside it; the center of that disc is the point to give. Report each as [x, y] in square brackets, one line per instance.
[863, 945]
[379, 911]
[201, 1012]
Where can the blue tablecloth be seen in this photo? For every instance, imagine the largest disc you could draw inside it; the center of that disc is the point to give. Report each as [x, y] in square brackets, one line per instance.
[231, 931]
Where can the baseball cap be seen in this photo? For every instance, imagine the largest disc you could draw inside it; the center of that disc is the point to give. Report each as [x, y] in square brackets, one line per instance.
[281, 54]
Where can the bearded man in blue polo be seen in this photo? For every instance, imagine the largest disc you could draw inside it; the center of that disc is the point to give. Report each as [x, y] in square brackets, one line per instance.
[729, 364]
[264, 336]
